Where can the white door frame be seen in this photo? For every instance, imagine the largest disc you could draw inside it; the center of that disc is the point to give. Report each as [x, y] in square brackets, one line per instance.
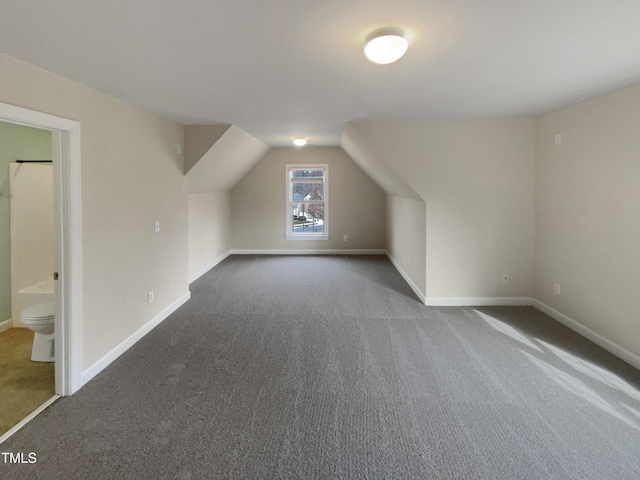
[68, 239]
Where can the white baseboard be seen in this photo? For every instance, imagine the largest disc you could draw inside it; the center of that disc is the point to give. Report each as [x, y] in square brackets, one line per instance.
[406, 277]
[125, 345]
[208, 267]
[309, 251]
[6, 325]
[614, 348]
[478, 301]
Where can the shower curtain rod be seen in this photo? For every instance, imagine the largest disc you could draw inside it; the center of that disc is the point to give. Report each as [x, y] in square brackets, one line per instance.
[34, 161]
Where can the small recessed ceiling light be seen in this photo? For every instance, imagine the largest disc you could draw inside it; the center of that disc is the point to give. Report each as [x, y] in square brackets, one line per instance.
[299, 141]
[385, 45]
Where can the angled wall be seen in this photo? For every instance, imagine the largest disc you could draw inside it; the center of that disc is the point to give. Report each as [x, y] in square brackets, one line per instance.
[477, 180]
[216, 158]
[405, 211]
[229, 158]
[198, 140]
[380, 170]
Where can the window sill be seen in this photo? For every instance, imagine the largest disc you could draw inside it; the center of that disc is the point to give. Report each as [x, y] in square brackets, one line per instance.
[307, 237]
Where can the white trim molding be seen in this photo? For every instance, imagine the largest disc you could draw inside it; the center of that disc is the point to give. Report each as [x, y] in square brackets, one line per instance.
[66, 159]
[66, 150]
[6, 325]
[612, 347]
[28, 418]
[290, 180]
[301, 236]
[126, 344]
[308, 251]
[206, 268]
[406, 277]
[478, 301]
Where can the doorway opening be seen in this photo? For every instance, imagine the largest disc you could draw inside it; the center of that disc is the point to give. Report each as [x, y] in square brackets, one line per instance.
[67, 232]
[27, 300]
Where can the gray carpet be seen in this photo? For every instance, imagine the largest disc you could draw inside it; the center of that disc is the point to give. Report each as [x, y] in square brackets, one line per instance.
[329, 367]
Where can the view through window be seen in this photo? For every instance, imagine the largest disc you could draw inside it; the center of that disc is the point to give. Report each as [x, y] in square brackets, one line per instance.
[307, 202]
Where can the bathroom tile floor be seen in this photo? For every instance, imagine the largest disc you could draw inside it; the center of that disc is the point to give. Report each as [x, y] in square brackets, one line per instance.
[24, 385]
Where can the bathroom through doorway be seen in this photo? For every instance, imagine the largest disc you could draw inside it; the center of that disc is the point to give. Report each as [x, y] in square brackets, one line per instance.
[67, 226]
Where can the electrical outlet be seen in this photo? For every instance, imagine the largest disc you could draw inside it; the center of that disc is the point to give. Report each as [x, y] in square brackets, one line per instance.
[345, 238]
[156, 227]
[556, 289]
[150, 297]
[505, 277]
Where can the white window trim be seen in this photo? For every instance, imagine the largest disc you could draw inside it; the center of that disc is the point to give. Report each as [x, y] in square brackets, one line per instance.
[289, 235]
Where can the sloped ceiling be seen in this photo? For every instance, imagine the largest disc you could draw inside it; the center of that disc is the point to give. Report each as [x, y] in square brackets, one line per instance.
[198, 140]
[380, 171]
[232, 155]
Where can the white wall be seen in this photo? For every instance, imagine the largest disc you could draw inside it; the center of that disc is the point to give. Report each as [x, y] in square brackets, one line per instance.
[131, 177]
[406, 239]
[356, 203]
[16, 142]
[477, 179]
[587, 214]
[31, 229]
[209, 230]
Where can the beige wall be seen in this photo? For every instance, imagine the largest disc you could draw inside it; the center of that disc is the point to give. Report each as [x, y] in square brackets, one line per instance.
[131, 177]
[477, 179]
[377, 168]
[356, 203]
[232, 155]
[209, 230]
[587, 214]
[406, 238]
[198, 139]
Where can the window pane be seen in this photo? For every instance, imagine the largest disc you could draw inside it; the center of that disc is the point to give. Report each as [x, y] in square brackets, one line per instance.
[308, 217]
[307, 173]
[307, 191]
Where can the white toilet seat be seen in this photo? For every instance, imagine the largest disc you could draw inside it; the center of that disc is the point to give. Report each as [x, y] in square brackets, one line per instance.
[39, 313]
[40, 318]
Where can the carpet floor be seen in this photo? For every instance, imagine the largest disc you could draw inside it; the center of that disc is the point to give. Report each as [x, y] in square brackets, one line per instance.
[24, 385]
[322, 367]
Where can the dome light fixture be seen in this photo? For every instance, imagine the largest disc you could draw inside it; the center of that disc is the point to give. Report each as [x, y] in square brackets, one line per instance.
[300, 141]
[385, 45]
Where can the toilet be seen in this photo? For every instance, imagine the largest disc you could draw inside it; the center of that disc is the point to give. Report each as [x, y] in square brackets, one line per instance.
[40, 318]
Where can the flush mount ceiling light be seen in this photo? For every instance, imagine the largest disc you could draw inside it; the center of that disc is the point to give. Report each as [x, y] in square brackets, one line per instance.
[299, 141]
[385, 45]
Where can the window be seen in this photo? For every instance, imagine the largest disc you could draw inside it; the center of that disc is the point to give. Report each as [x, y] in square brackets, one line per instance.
[307, 202]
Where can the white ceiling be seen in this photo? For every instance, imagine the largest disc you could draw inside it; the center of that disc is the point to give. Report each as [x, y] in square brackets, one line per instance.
[283, 68]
